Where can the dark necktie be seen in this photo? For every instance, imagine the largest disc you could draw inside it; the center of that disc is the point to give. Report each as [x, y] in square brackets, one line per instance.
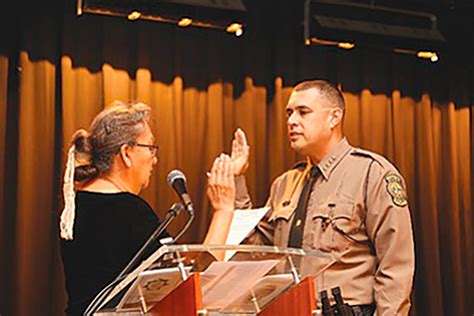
[297, 226]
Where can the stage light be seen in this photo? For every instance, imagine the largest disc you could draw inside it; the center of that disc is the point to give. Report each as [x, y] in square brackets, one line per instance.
[433, 56]
[134, 15]
[235, 28]
[209, 14]
[345, 45]
[318, 41]
[185, 22]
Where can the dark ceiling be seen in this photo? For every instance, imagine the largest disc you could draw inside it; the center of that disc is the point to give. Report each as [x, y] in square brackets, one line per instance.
[421, 4]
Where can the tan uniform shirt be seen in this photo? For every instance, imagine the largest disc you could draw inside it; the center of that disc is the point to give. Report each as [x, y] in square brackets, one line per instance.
[357, 211]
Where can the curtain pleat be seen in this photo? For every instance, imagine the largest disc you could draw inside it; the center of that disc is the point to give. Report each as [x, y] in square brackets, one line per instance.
[3, 153]
[425, 219]
[35, 184]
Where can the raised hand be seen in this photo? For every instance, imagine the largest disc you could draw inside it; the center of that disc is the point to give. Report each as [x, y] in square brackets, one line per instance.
[221, 187]
[240, 153]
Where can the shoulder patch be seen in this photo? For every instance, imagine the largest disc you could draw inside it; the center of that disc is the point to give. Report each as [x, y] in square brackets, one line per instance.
[300, 165]
[396, 190]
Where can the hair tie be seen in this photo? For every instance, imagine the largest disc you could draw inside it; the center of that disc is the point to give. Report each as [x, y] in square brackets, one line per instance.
[68, 213]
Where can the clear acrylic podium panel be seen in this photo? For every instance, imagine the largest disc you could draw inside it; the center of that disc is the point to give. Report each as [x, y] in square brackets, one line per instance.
[250, 278]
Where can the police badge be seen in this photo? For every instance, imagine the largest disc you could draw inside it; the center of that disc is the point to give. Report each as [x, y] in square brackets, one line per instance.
[396, 190]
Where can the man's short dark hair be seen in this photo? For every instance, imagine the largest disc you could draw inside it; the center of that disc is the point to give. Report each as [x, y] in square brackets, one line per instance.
[326, 88]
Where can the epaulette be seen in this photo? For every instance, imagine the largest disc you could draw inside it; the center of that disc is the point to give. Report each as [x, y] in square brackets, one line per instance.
[300, 165]
[362, 152]
[368, 154]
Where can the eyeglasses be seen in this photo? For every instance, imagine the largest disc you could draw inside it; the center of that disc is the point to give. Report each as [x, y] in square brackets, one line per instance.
[153, 148]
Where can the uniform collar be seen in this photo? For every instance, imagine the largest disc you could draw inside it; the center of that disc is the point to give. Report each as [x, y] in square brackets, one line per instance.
[332, 159]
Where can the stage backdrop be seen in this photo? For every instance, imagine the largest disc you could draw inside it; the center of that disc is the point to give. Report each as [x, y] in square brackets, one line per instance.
[58, 71]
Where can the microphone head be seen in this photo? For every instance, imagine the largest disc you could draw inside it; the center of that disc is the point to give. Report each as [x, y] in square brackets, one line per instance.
[177, 181]
[175, 175]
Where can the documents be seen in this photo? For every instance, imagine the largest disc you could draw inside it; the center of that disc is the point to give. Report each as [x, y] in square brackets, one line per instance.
[225, 282]
[243, 222]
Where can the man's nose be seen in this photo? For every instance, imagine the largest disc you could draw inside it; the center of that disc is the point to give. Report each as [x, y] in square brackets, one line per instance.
[291, 120]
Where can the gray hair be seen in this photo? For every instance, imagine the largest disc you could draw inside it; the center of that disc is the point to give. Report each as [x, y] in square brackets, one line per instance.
[117, 125]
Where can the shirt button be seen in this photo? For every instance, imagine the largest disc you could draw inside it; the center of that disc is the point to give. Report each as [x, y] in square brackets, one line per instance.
[286, 203]
[298, 222]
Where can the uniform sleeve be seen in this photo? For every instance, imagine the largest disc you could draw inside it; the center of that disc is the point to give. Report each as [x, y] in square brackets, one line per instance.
[242, 196]
[390, 230]
[264, 232]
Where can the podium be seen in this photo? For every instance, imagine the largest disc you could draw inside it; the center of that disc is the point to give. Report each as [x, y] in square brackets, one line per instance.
[185, 280]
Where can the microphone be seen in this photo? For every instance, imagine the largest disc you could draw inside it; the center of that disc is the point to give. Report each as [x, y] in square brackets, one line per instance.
[177, 181]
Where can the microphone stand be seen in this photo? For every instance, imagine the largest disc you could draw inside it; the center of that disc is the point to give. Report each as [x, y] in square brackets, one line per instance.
[173, 211]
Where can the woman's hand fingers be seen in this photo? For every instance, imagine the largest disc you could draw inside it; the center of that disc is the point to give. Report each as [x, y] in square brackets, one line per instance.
[221, 187]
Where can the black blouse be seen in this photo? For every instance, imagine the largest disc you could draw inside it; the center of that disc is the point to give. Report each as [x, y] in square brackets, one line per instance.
[109, 228]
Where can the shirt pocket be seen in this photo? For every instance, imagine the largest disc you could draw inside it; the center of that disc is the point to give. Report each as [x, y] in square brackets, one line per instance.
[281, 218]
[330, 222]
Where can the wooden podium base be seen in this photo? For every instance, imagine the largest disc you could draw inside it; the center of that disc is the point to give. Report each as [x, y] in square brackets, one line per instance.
[185, 300]
[297, 301]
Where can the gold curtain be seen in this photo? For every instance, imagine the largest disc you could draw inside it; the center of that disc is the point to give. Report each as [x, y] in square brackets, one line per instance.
[67, 73]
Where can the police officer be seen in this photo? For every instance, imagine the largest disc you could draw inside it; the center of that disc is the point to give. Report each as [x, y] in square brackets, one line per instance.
[343, 200]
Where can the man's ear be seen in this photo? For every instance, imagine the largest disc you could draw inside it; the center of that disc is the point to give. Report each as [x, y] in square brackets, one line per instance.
[125, 151]
[335, 118]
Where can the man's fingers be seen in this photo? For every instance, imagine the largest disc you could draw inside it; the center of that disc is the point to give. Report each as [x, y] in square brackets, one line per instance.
[235, 147]
[240, 137]
[245, 149]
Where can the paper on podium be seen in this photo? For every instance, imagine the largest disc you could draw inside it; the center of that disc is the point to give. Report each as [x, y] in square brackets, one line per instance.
[225, 282]
[242, 224]
[149, 288]
[264, 291]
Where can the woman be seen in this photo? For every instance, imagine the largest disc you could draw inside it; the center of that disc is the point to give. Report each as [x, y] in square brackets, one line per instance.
[105, 222]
